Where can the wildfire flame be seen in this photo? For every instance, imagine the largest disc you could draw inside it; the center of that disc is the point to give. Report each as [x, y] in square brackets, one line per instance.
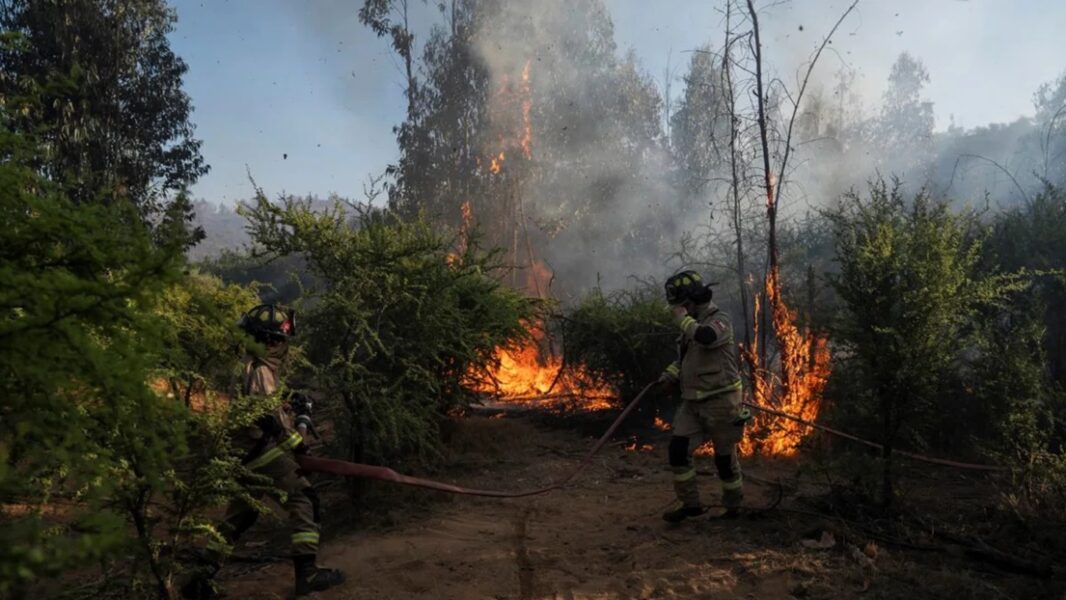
[464, 235]
[527, 107]
[496, 164]
[530, 373]
[804, 368]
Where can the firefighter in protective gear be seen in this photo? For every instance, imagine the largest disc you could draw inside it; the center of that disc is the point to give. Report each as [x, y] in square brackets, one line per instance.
[268, 447]
[707, 372]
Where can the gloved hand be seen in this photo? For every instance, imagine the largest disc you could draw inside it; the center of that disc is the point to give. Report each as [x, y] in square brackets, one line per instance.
[304, 424]
[667, 382]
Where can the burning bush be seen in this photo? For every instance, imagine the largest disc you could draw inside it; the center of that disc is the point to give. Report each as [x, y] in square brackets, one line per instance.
[397, 322]
[625, 338]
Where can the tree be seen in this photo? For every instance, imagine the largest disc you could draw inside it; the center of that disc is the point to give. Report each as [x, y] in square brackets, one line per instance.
[1050, 104]
[910, 290]
[95, 81]
[1033, 237]
[700, 127]
[79, 426]
[905, 126]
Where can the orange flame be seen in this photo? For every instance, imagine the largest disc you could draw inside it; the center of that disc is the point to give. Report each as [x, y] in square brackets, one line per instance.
[464, 235]
[530, 373]
[497, 164]
[803, 370]
[661, 425]
[527, 106]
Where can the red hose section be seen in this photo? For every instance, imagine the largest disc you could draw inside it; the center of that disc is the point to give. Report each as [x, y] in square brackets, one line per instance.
[349, 469]
[837, 432]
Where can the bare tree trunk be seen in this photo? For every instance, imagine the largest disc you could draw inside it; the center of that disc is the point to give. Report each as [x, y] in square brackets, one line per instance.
[727, 74]
[408, 62]
[771, 212]
[812, 352]
[887, 444]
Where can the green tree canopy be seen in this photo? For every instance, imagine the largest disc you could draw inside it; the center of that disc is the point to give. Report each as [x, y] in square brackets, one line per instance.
[95, 81]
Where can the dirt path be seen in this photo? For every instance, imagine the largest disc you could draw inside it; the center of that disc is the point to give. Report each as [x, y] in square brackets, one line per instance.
[600, 538]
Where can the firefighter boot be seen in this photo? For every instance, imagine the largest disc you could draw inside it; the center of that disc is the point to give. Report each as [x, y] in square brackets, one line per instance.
[311, 578]
[688, 496]
[199, 587]
[732, 483]
[201, 583]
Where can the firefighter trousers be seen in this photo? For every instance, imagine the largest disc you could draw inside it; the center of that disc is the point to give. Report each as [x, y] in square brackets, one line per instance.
[297, 498]
[715, 418]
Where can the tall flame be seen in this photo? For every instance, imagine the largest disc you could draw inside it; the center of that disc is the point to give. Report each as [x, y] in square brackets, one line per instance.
[464, 234]
[803, 365]
[527, 107]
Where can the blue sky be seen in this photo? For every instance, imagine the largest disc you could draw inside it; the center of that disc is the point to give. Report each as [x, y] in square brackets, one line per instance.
[305, 98]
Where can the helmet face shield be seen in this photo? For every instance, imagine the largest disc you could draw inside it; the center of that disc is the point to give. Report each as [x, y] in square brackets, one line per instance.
[686, 286]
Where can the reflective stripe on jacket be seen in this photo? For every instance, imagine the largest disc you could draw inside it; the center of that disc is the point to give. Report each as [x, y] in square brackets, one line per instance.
[707, 370]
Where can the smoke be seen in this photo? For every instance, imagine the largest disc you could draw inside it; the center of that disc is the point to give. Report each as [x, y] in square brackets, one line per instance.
[587, 173]
[595, 190]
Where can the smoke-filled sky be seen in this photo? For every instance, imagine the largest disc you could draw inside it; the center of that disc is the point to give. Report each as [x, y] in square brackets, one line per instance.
[305, 98]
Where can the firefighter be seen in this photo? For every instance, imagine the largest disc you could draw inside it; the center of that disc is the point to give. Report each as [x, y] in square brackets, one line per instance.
[707, 372]
[268, 446]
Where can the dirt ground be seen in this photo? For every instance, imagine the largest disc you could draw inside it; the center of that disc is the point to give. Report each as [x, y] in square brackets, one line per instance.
[602, 537]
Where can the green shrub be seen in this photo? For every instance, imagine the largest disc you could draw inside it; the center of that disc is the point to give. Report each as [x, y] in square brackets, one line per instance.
[625, 339]
[81, 432]
[395, 324]
[912, 295]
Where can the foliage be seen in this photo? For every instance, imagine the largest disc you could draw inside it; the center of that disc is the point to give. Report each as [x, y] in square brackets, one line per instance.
[79, 426]
[699, 129]
[199, 313]
[1034, 237]
[1050, 139]
[97, 83]
[396, 323]
[96, 465]
[1022, 375]
[626, 338]
[911, 292]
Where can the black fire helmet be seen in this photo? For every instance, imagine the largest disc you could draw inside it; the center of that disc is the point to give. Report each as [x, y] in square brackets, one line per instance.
[269, 323]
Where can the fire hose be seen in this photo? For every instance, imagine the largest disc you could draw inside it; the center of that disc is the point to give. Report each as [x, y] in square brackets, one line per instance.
[349, 469]
[854, 438]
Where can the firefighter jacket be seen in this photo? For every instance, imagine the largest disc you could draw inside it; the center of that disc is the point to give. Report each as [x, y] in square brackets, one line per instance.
[707, 364]
[274, 433]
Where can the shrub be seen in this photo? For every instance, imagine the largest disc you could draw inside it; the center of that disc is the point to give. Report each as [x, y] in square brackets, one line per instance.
[625, 338]
[912, 295]
[80, 429]
[395, 323]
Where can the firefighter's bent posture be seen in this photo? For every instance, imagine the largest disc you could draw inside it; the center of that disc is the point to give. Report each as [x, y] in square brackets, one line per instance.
[708, 374]
[268, 447]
